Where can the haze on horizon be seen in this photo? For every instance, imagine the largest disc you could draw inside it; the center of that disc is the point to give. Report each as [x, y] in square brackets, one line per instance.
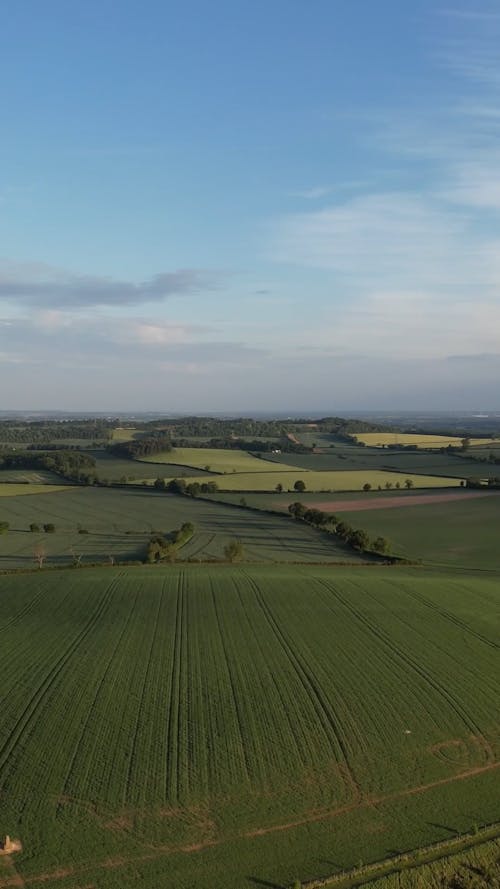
[250, 205]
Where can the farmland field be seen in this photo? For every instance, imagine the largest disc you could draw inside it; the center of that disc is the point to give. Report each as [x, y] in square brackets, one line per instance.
[461, 533]
[114, 468]
[217, 460]
[325, 481]
[120, 522]
[421, 462]
[217, 726]
[382, 439]
[8, 489]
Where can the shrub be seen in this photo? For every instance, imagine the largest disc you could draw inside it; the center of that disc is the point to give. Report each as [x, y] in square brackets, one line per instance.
[49, 528]
[234, 551]
[34, 527]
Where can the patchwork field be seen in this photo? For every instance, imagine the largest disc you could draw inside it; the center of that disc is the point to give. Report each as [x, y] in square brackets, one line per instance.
[325, 481]
[213, 460]
[464, 532]
[120, 522]
[217, 726]
[382, 439]
[420, 462]
[8, 489]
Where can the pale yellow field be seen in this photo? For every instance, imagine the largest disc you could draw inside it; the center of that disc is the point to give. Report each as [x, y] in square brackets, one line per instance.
[215, 460]
[14, 490]
[324, 481]
[379, 439]
[123, 434]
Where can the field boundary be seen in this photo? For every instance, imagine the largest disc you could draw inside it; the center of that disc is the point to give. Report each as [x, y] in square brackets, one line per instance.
[407, 861]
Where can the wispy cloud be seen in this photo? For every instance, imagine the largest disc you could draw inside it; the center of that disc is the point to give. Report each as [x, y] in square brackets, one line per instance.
[312, 194]
[35, 284]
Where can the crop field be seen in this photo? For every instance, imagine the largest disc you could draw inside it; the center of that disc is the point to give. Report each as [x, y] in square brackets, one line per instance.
[213, 460]
[116, 468]
[420, 462]
[382, 439]
[119, 524]
[8, 489]
[217, 726]
[325, 481]
[461, 533]
[30, 477]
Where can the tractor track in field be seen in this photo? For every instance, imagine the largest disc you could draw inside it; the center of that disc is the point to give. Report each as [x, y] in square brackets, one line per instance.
[254, 833]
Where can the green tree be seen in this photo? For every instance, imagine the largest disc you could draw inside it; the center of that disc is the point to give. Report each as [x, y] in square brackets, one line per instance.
[297, 509]
[381, 545]
[49, 528]
[160, 484]
[408, 483]
[359, 539]
[299, 486]
[34, 527]
[279, 488]
[4, 527]
[465, 443]
[234, 551]
[367, 486]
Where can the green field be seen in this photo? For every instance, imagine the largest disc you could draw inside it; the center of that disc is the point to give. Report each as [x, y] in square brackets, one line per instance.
[325, 481]
[465, 533]
[213, 460]
[382, 439]
[116, 468]
[8, 489]
[121, 521]
[344, 458]
[218, 727]
[30, 477]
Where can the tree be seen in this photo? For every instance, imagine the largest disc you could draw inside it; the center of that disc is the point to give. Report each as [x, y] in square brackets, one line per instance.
[49, 528]
[34, 527]
[465, 443]
[176, 486]
[388, 486]
[193, 489]
[4, 527]
[408, 483]
[367, 486]
[234, 551]
[279, 488]
[359, 539]
[297, 509]
[299, 486]
[381, 545]
[160, 484]
[39, 555]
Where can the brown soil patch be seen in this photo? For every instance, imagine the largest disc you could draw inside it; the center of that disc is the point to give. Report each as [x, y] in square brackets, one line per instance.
[373, 502]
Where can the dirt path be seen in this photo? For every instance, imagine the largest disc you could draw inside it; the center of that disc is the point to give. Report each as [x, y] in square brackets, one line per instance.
[369, 501]
[309, 818]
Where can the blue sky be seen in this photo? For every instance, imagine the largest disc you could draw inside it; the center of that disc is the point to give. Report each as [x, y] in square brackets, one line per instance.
[250, 205]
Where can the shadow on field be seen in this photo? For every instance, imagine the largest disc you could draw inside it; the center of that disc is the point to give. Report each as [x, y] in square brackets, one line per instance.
[256, 881]
[452, 830]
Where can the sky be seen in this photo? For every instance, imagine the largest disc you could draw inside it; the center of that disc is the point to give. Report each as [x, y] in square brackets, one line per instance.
[250, 205]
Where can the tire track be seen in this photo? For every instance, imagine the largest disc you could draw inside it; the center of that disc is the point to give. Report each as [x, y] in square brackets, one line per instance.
[34, 703]
[326, 714]
[404, 657]
[234, 694]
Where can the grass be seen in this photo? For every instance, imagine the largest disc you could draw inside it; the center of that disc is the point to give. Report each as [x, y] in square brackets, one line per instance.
[120, 523]
[30, 476]
[242, 726]
[342, 458]
[18, 490]
[325, 481]
[114, 468]
[218, 460]
[381, 439]
[465, 533]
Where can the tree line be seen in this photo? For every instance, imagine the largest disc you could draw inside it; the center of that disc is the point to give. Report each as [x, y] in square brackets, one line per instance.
[357, 538]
